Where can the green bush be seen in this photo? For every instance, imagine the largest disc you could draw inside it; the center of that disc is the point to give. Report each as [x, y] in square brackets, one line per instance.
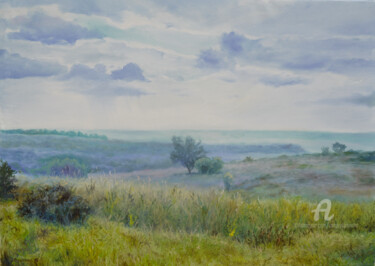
[228, 181]
[367, 156]
[60, 166]
[338, 147]
[53, 203]
[209, 165]
[7, 180]
[325, 151]
[248, 159]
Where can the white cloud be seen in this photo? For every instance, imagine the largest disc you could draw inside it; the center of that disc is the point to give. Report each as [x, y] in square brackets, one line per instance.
[277, 61]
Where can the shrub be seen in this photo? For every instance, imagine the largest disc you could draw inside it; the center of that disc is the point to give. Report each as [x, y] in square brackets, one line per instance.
[57, 166]
[363, 176]
[209, 165]
[338, 147]
[7, 180]
[186, 152]
[228, 181]
[325, 151]
[248, 159]
[367, 157]
[53, 203]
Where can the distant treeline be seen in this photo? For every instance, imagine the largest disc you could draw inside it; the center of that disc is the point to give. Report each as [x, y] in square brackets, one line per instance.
[54, 132]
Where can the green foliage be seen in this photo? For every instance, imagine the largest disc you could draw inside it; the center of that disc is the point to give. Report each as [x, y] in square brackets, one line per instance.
[146, 224]
[65, 166]
[213, 212]
[186, 152]
[228, 181]
[325, 151]
[209, 165]
[363, 176]
[7, 180]
[53, 132]
[54, 203]
[248, 159]
[338, 147]
[367, 156]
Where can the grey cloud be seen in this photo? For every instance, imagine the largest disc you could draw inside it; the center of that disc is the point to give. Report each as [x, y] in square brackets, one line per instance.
[14, 66]
[357, 99]
[278, 81]
[39, 27]
[232, 42]
[233, 46]
[340, 55]
[320, 17]
[211, 59]
[307, 62]
[352, 65]
[108, 90]
[236, 44]
[129, 72]
[366, 100]
[108, 8]
[85, 72]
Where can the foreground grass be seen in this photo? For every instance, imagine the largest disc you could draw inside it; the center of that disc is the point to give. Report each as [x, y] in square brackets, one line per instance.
[101, 242]
[146, 224]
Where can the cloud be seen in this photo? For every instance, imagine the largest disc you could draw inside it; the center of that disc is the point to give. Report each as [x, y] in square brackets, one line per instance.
[306, 62]
[108, 8]
[118, 91]
[85, 72]
[39, 27]
[14, 66]
[366, 100]
[232, 42]
[211, 59]
[277, 81]
[357, 99]
[233, 47]
[352, 65]
[107, 90]
[129, 72]
[327, 18]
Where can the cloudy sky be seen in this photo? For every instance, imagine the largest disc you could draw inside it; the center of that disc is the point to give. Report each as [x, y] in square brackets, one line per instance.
[213, 64]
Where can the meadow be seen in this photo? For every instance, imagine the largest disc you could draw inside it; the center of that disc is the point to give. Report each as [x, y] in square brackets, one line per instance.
[142, 223]
[158, 214]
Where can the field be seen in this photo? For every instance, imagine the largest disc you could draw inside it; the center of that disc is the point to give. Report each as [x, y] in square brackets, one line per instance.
[149, 224]
[165, 216]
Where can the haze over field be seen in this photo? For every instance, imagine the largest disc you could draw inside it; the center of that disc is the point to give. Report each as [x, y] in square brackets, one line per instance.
[166, 132]
[269, 65]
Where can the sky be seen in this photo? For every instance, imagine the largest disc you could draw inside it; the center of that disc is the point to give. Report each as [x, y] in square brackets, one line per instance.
[162, 65]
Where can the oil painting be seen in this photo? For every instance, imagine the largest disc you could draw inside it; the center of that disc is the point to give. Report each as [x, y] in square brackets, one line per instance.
[226, 132]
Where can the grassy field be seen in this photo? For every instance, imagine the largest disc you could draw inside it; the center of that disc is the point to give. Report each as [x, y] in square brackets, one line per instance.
[310, 176]
[144, 223]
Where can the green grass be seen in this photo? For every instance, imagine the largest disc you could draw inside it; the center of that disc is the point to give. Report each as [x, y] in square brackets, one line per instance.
[149, 224]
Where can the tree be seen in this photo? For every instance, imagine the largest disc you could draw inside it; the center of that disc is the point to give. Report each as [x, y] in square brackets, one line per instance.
[186, 152]
[325, 151]
[209, 165]
[7, 180]
[228, 181]
[338, 147]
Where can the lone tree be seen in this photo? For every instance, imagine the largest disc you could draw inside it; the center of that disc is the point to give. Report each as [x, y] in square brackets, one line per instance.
[7, 180]
[338, 147]
[186, 152]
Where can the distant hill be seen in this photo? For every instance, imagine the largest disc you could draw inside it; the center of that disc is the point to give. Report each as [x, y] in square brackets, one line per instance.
[53, 132]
